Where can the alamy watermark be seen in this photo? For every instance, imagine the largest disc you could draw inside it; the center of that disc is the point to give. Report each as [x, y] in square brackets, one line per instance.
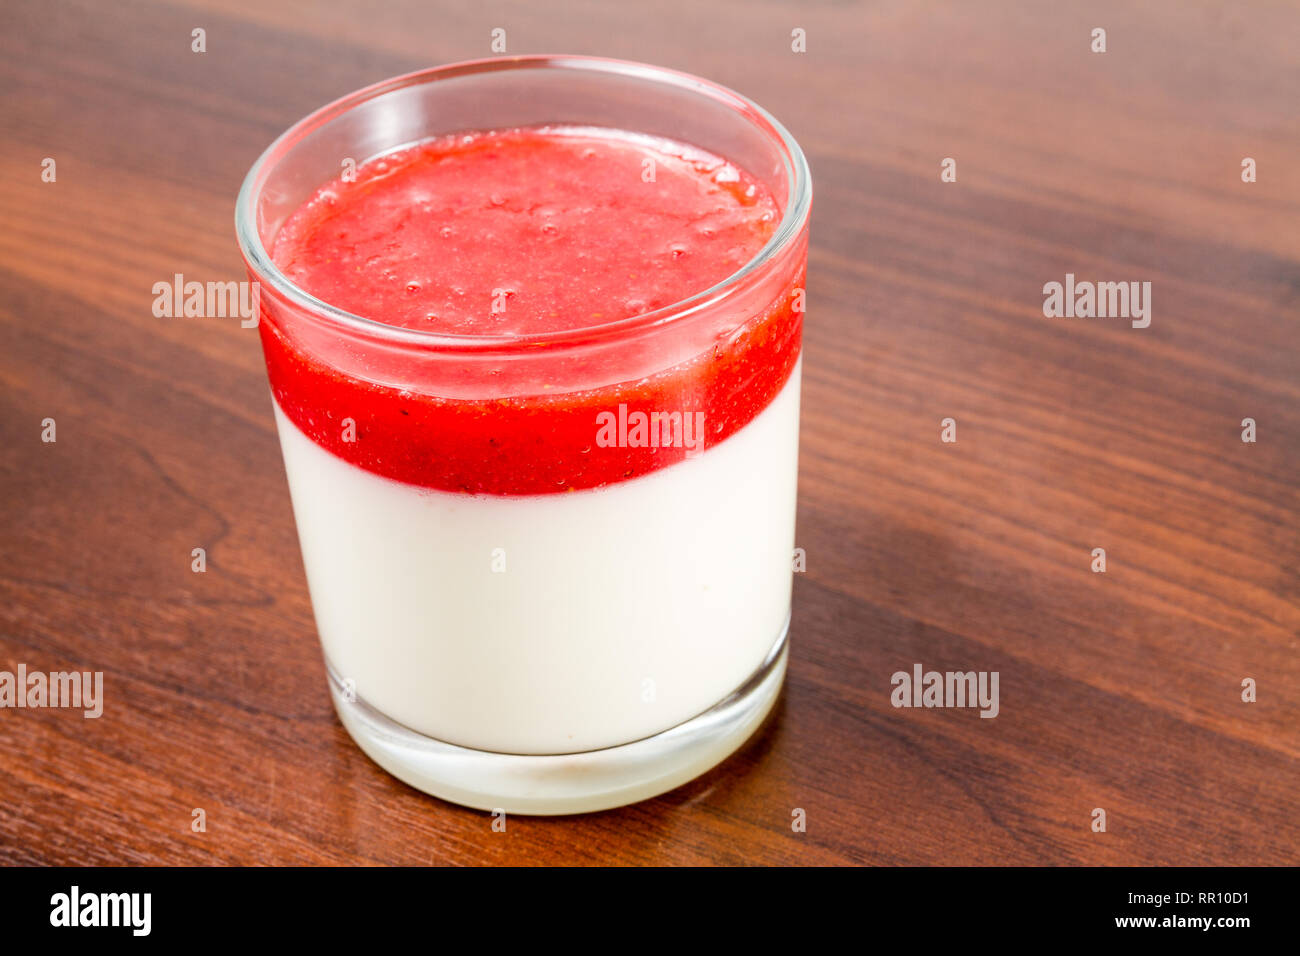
[1100, 300]
[946, 689]
[207, 300]
[638, 429]
[36, 689]
[75, 908]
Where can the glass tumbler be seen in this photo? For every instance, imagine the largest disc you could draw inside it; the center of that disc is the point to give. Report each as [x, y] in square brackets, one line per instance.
[568, 615]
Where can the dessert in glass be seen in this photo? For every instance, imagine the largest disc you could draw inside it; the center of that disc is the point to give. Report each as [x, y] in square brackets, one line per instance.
[532, 328]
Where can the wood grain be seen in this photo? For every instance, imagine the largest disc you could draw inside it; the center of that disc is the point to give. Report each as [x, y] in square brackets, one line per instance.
[1119, 690]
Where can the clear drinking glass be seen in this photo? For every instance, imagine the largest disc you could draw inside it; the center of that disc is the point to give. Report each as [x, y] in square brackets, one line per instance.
[568, 650]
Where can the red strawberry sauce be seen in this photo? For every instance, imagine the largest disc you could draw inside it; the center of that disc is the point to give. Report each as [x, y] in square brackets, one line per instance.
[516, 232]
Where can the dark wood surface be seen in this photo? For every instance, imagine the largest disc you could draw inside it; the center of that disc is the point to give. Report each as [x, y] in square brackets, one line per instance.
[1119, 690]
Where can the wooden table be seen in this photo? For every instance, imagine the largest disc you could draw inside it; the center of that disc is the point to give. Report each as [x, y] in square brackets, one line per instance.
[1119, 690]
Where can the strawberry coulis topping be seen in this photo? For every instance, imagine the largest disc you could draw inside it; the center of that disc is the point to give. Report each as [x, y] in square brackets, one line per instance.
[518, 232]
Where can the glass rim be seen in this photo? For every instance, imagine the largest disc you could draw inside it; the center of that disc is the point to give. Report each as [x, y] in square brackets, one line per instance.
[259, 260]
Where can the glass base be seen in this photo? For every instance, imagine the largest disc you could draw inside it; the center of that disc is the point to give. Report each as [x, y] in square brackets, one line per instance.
[566, 783]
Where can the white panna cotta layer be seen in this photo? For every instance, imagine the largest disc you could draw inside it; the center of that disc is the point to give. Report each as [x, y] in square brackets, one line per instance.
[557, 623]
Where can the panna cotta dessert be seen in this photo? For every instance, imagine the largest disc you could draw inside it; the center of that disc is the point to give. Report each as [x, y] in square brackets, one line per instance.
[537, 389]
